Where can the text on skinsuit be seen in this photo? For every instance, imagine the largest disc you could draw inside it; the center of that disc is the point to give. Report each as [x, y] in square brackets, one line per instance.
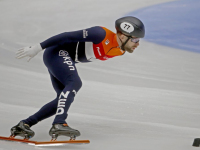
[68, 61]
[98, 49]
[85, 33]
[61, 103]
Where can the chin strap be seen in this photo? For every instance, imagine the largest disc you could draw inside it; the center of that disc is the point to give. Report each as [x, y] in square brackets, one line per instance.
[123, 44]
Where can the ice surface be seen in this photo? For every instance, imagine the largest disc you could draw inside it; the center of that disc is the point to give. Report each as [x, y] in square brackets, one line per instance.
[148, 100]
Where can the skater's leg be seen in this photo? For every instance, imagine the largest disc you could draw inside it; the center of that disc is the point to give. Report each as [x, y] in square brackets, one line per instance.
[50, 108]
[46, 111]
[57, 85]
[63, 68]
[72, 85]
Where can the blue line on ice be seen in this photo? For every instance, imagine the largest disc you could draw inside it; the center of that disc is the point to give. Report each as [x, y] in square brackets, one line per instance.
[175, 24]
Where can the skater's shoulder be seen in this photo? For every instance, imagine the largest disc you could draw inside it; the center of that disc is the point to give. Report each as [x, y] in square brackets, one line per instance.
[97, 30]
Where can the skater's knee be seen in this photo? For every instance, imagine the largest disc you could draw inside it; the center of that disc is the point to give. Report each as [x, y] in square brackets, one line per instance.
[74, 83]
[78, 83]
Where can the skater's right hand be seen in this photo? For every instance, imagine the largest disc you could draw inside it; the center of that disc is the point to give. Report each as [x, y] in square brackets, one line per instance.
[29, 52]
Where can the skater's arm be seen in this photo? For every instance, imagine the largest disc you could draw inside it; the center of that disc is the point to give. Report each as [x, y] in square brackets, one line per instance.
[94, 34]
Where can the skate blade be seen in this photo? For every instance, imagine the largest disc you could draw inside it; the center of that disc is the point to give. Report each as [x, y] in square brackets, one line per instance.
[13, 139]
[61, 143]
[45, 143]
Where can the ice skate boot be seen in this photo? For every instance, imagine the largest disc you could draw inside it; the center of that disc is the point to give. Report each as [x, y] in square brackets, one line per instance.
[63, 129]
[23, 130]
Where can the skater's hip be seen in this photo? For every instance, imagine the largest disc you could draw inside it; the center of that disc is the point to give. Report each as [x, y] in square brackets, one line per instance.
[56, 55]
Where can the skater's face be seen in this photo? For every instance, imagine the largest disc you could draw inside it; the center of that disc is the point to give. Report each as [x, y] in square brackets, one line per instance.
[132, 43]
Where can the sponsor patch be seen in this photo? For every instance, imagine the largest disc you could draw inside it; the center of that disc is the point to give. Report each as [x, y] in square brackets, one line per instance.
[63, 53]
[107, 42]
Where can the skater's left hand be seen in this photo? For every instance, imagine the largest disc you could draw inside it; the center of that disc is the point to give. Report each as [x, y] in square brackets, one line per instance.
[29, 52]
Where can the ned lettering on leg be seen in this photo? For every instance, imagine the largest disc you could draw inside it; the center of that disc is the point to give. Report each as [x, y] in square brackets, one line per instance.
[61, 103]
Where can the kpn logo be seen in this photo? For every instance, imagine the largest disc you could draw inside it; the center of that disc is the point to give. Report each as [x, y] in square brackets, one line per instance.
[63, 53]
